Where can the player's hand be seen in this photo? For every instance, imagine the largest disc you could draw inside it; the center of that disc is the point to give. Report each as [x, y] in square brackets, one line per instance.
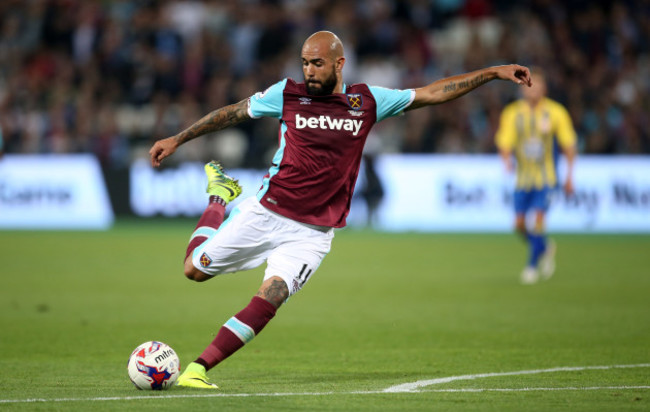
[568, 187]
[161, 149]
[507, 161]
[515, 73]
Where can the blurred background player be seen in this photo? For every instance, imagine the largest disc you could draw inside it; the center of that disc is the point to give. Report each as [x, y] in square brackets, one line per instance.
[532, 130]
[373, 190]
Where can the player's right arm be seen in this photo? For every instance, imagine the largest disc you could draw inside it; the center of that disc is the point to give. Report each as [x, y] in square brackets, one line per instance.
[214, 121]
[505, 136]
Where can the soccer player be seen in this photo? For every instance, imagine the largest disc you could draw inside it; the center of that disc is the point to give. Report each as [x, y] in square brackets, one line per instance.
[533, 128]
[307, 191]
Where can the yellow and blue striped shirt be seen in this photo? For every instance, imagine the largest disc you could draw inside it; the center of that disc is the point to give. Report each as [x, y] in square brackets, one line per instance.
[531, 134]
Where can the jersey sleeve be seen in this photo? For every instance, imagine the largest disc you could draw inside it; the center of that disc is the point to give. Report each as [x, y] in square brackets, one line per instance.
[391, 102]
[505, 136]
[267, 103]
[566, 134]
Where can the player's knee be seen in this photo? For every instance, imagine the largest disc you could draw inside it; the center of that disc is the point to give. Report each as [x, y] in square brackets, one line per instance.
[197, 276]
[193, 273]
[521, 229]
[539, 225]
[520, 226]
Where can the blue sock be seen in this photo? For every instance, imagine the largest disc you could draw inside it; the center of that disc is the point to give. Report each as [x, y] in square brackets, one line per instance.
[537, 246]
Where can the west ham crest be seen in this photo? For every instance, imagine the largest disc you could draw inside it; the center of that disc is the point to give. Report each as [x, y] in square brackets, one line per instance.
[355, 101]
[205, 260]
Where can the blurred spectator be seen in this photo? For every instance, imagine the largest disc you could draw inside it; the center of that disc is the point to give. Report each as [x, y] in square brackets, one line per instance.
[110, 77]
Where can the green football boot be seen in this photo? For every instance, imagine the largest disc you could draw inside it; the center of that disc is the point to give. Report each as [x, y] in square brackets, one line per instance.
[195, 377]
[220, 184]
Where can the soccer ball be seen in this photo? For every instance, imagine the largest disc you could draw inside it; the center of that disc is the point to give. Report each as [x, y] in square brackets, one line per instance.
[154, 366]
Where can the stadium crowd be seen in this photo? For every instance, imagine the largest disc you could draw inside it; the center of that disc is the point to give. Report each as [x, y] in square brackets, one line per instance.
[110, 77]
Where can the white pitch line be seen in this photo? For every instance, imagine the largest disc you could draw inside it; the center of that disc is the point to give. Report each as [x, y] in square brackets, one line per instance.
[413, 386]
[568, 388]
[393, 389]
[287, 394]
[202, 395]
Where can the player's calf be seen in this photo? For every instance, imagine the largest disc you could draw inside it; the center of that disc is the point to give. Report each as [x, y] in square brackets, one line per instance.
[520, 228]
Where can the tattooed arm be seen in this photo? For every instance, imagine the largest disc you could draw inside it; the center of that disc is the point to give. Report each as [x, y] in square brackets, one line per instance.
[453, 87]
[217, 120]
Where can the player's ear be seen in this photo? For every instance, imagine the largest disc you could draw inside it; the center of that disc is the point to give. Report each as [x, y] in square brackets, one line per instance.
[340, 62]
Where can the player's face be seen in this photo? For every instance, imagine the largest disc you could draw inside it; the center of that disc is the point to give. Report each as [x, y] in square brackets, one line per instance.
[319, 68]
[535, 92]
[320, 76]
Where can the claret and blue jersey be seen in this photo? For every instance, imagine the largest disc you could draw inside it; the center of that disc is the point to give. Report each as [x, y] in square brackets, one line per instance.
[321, 139]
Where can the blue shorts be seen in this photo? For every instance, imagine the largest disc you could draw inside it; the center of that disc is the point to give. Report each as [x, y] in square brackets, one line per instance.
[532, 199]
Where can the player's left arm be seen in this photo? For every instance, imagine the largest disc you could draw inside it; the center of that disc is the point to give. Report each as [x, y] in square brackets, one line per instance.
[570, 154]
[453, 87]
[567, 140]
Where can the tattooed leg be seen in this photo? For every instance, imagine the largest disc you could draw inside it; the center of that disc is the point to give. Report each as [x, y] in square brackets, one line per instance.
[274, 290]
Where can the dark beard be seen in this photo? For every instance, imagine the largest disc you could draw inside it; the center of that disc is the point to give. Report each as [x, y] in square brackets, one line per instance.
[327, 87]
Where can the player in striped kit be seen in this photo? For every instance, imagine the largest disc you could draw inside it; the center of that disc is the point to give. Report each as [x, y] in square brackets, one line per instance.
[307, 192]
[533, 130]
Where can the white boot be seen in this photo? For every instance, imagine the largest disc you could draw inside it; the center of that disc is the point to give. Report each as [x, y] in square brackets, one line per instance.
[529, 275]
[547, 261]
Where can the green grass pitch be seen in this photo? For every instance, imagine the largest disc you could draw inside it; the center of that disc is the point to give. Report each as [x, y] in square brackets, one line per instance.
[382, 310]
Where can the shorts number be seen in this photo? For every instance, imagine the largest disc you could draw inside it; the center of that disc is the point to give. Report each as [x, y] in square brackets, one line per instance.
[304, 275]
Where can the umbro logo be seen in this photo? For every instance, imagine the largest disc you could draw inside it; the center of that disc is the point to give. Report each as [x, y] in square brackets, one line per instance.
[304, 100]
